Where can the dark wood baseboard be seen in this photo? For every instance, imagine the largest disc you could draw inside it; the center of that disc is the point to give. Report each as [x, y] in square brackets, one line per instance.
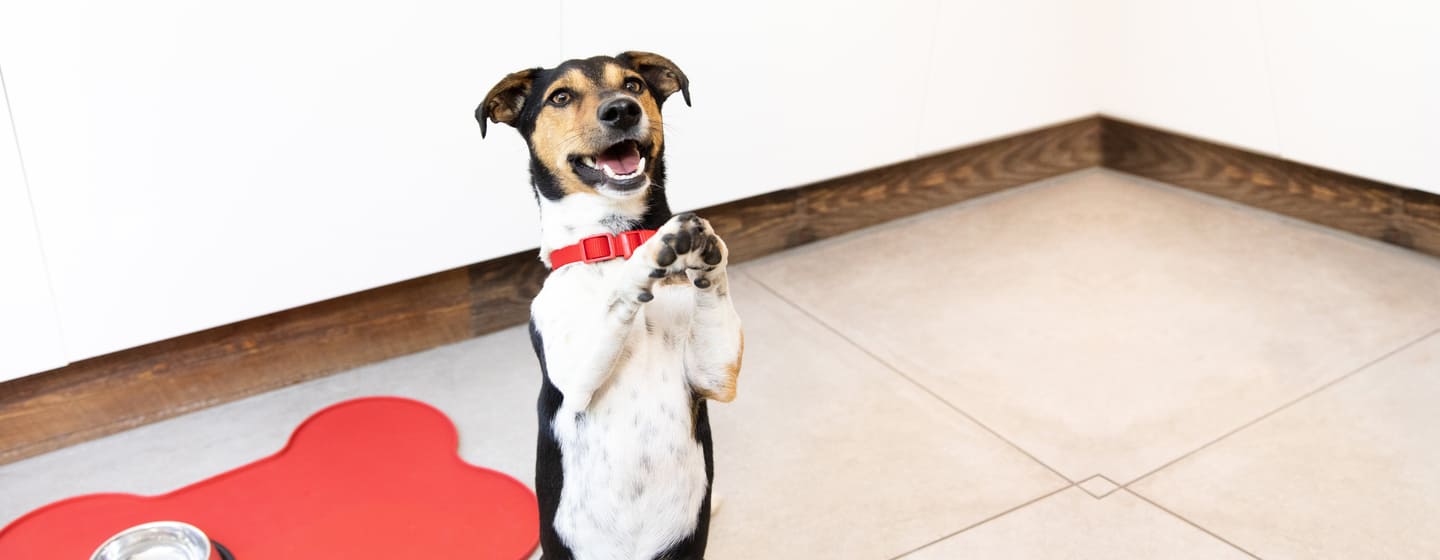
[118, 391]
[129, 388]
[1400, 216]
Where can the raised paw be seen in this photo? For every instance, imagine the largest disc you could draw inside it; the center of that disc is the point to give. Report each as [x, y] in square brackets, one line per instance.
[707, 256]
[687, 247]
[706, 267]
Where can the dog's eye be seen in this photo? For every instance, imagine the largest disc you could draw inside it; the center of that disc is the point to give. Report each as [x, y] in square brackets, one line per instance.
[561, 98]
[634, 85]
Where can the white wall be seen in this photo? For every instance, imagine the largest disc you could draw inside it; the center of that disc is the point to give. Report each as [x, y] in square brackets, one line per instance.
[198, 163]
[1195, 67]
[1357, 86]
[1001, 67]
[29, 330]
[1350, 86]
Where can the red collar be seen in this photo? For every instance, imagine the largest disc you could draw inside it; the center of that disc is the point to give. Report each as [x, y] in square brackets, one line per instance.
[601, 247]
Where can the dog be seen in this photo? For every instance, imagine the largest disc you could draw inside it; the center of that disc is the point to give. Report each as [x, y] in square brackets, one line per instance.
[634, 331]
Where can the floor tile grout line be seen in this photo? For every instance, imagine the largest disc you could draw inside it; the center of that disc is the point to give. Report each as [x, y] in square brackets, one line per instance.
[984, 521]
[1190, 523]
[1297, 400]
[1081, 484]
[1117, 487]
[905, 376]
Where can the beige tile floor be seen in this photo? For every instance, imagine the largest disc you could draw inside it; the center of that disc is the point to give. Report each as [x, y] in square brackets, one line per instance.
[1093, 366]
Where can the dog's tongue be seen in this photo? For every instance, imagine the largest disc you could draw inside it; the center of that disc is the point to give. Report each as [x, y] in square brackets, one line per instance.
[622, 158]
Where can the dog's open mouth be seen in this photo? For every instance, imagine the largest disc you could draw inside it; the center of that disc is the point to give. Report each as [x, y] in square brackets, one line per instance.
[620, 166]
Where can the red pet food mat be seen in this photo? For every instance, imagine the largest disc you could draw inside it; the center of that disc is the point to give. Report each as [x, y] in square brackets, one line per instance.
[368, 478]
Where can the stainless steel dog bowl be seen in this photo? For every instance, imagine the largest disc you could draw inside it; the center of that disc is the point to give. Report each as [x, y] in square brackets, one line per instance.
[162, 540]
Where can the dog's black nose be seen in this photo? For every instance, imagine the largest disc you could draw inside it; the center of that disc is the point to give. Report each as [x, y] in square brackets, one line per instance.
[620, 113]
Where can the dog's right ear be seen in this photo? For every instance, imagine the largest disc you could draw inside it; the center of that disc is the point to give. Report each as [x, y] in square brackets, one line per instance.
[506, 99]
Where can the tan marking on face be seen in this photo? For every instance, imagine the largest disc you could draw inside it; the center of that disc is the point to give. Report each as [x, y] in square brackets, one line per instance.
[575, 128]
[561, 131]
[614, 76]
[651, 110]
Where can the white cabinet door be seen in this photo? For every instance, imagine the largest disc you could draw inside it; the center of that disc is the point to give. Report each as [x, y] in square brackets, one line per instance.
[785, 93]
[1001, 67]
[1192, 67]
[197, 163]
[1358, 86]
[29, 331]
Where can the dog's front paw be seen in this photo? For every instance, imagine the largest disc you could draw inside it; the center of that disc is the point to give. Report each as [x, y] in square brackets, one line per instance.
[679, 239]
[684, 249]
[689, 246]
[706, 266]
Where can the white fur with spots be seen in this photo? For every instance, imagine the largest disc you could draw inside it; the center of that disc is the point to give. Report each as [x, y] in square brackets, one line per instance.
[634, 476]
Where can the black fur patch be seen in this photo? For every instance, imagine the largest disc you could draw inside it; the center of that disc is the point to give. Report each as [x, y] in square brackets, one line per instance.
[693, 547]
[549, 465]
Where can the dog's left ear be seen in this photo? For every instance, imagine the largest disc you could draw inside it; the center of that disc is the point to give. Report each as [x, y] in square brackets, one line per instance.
[506, 99]
[663, 76]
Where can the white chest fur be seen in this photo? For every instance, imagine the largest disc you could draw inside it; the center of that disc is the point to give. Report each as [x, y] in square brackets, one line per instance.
[634, 473]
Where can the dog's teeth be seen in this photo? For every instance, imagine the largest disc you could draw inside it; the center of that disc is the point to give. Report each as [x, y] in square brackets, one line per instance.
[613, 175]
[641, 164]
[588, 161]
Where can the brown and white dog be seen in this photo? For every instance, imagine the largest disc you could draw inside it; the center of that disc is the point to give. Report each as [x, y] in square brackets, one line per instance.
[629, 349]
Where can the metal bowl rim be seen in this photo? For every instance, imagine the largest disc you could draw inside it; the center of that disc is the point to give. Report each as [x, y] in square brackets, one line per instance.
[179, 526]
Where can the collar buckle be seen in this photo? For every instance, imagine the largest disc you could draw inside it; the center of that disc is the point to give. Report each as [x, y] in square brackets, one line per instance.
[597, 248]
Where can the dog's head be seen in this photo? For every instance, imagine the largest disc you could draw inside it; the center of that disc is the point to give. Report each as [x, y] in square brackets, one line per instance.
[593, 125]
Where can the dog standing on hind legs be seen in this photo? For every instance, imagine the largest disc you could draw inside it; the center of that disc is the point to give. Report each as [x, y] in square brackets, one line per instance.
[634, 327]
